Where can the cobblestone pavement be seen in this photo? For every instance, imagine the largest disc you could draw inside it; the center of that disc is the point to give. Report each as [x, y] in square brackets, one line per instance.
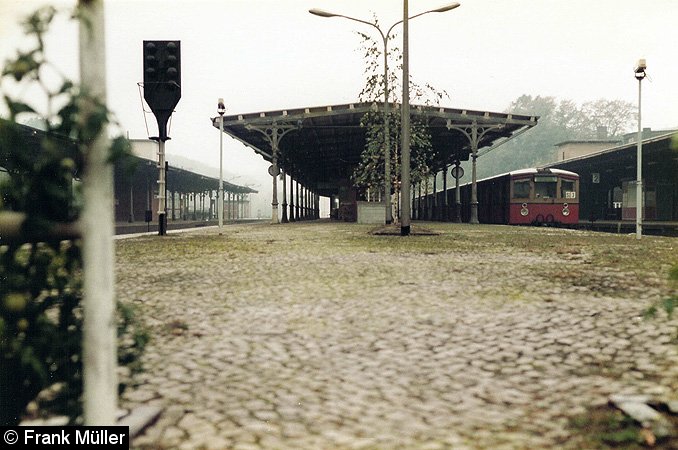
[321, 336]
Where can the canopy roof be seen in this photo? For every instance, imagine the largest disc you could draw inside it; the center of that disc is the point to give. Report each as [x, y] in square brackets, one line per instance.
[621, 160]
[325, 143]
[28, 140]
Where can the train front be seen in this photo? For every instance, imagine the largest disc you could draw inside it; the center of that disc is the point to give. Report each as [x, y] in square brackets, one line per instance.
[544, 196]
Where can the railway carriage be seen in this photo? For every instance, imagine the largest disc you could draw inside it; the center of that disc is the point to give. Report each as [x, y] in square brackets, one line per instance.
[526, 197]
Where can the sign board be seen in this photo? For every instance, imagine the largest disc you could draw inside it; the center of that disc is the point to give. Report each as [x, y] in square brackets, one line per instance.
[595, 178]
[273, 170]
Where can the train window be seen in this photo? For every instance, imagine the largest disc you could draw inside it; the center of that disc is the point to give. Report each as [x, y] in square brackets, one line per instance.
[545, 186]
[521, 188]
[567, 190]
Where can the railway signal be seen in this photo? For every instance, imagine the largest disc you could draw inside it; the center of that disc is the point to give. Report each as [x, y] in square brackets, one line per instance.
[162, 91]
[162, 80]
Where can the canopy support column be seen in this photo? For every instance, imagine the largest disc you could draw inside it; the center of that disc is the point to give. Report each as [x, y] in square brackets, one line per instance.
[292, 200]
[274, 133]
[475, 134]
[284, 199]
[446, 204]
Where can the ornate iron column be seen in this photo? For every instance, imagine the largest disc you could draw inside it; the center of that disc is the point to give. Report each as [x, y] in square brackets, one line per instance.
[291, 200]
[296, 214]
[446, 203]
[303, 203]
[284, 199]
[231, 205]
[457, 194]
[434, 207]
[274, 133]
[474, 133]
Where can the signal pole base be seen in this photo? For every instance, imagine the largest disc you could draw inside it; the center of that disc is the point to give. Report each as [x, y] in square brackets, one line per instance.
[162, 224]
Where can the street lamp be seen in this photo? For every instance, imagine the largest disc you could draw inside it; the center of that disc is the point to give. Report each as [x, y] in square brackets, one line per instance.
[221, 109]
[640, 74]
[387, 143]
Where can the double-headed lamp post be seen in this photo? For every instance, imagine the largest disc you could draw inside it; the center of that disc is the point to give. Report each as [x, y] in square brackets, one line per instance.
[640, 74]
[221, 109]
[387, 137]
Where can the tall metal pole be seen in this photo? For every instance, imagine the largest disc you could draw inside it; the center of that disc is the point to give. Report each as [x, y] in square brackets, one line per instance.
[639, 171]
[387, 139]
[221, 109]
[457, 195]
[220, 195]
[100, 382]
[162, 205]
[405, 123]
[474, 182]
[640, 75]
[274, 175]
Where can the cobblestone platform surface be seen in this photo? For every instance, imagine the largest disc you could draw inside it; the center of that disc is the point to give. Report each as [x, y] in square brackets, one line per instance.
[321, 336]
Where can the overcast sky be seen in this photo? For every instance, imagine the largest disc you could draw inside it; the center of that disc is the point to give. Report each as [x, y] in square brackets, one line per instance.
[262, 55]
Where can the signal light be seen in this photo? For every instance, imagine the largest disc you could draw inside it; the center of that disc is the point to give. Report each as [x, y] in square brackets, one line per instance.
[162, 74]
[162, 80]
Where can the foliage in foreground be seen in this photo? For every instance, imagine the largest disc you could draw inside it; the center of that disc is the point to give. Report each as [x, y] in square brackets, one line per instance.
[604, 427]
[41, 289]
[669, 304]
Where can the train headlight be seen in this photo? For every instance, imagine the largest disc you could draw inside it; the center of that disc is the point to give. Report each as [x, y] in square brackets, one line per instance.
[566, 210]
[524, 211]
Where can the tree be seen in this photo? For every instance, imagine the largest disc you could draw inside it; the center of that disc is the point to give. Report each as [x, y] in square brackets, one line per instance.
[559, 121]
[370, 171]
[616, 116]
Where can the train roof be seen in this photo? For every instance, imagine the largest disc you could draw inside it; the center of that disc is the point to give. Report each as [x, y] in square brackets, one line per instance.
[529, 171]
[535, 170]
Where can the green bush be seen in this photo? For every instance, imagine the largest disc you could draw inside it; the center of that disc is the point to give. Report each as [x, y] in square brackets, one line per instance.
[40, 326]
[41, 272]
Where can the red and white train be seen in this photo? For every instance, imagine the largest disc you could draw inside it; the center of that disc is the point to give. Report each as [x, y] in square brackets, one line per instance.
[526, 197]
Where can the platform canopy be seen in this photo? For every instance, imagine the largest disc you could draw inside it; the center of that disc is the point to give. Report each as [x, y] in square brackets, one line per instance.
[321, 146]
[27, 141]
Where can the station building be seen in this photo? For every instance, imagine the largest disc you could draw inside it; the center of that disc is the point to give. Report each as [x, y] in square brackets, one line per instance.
[607, 173]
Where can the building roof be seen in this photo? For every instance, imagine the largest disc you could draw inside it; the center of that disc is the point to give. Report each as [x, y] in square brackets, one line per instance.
[326, 143]
[590, 141]
[657, 149]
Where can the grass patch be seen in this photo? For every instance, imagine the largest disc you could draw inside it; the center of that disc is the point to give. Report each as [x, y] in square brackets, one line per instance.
[605, 427]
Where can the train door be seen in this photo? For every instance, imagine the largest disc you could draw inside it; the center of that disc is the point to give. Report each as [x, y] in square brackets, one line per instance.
[629, 201]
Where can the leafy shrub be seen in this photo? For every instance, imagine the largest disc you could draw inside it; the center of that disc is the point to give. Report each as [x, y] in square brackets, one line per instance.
[41, 315]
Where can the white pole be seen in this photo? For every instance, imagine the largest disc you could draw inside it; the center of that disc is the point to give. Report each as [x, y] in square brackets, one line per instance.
[162, 198]
[99, 333]
[405, 126]
[220, 194]
[639, 172]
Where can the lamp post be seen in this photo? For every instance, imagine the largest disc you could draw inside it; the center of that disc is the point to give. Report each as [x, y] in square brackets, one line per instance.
[640, 74]
[221, 109]
[387, 138]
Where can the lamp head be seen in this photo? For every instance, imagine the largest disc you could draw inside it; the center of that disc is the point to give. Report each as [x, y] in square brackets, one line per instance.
[447, 7]
[221, 109]
[640, 69]
[321, 12]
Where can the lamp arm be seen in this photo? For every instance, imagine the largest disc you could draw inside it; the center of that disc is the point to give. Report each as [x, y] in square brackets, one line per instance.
[383, 36]
[409, 18]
